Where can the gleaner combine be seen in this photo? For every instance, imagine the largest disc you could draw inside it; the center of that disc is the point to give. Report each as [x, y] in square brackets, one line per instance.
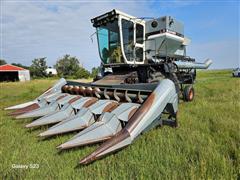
[144, 73]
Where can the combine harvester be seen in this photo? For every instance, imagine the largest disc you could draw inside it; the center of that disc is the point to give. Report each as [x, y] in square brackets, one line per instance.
[144, 73]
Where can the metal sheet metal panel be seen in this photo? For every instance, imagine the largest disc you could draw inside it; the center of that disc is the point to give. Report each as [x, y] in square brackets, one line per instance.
[144, 116]
[105, 128]
[166, 22]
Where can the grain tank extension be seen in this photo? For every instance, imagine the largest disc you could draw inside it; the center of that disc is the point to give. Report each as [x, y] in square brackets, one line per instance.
[144, 72]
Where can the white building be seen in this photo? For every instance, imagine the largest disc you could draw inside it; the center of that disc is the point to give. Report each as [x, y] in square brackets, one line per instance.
[51, 71]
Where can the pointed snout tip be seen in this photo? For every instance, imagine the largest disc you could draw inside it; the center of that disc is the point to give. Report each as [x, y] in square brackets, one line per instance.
[22, 116]
[41, 135]
[60, 147]
[12, 108]
[29, 125]
[19, 117]
[33, 124]
[83, 161]
[65, 146]
[87, 160]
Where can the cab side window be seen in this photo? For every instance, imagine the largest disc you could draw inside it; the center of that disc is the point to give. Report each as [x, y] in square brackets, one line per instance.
[139, 33]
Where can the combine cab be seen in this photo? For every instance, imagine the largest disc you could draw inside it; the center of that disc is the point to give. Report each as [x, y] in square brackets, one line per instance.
[144, 73]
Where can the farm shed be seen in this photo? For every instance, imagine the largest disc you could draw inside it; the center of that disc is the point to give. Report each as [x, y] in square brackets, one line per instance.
[51, 71]
[10, 72]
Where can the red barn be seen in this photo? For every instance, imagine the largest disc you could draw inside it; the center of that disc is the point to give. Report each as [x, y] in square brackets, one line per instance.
[10, 72]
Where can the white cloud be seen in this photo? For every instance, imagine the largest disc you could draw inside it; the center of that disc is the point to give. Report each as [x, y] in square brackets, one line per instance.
[53, 28]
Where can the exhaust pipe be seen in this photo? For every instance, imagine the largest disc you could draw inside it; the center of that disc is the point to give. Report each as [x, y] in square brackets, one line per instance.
[193, 65]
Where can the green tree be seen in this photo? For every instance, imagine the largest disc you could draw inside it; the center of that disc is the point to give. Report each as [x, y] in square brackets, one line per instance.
[20, 65]
[94, 72]
[38, 67]
[82, 73]
[2, 62]
[67, 65]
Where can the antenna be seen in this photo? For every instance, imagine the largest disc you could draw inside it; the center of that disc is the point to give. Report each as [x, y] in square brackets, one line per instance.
[91, 36]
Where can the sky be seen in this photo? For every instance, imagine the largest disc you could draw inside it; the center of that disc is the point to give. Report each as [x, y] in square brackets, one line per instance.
[51, 29]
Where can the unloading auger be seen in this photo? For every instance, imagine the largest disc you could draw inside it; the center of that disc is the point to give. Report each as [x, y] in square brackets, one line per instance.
[144, 72]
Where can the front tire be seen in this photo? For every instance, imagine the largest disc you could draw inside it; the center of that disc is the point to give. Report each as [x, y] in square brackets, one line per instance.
[188, 93]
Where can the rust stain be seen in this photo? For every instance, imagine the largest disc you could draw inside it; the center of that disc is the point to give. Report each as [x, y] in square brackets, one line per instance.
[110, 107]
[74, 99]
[90, 102]
[89, 91]
[25, 109]
[75, 90]
[82, 90]
[110, 94]
[64, 88]
[60, 97]
[69, 89]
[47, 91]
[132, 112]
[120, 136]
[121, 96]
[138, 116]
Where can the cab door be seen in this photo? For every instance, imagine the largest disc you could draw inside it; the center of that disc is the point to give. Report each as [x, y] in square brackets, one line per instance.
[139, 47]
[132, 40]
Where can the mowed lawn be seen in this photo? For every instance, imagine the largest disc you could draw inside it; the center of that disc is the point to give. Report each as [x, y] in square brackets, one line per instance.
[205, 145]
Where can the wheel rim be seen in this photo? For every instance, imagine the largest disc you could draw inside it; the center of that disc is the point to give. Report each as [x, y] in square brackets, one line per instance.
[190, 94]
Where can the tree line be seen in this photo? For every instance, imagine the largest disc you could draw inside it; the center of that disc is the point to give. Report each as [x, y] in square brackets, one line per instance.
[66, 66]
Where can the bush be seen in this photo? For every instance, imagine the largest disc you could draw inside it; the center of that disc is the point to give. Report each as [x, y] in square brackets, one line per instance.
[95, 71]
[38, 68]
[67, 66]
[2, 62]
[21, 65]
[82, 73]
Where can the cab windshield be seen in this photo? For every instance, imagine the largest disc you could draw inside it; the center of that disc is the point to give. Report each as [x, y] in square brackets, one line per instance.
[109, 43]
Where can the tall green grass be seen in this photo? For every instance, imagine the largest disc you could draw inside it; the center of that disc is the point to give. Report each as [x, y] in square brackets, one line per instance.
[204, 146]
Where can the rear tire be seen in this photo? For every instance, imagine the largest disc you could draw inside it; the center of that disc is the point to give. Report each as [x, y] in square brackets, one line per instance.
[188, 93]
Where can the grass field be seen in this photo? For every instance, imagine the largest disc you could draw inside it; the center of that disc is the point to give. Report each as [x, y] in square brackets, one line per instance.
[206, 145]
